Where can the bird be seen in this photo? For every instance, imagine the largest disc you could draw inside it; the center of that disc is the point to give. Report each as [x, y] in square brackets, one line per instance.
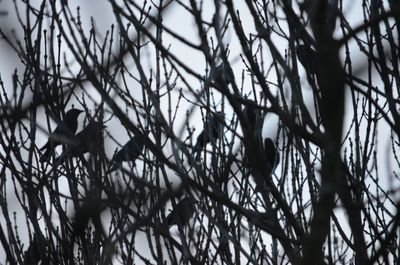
[85, 141]
[65, 130]
[271, 153]
[308, 58]
[212, 131]
[200, 143]
[222, 75]
[181, 213]
[272, 157]
[129, 152]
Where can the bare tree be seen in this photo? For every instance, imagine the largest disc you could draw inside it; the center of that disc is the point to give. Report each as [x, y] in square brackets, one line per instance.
[172, 164]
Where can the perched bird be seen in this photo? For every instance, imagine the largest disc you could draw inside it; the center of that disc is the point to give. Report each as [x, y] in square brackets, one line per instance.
[200, 143]
[271, 153]
[212, 131]
[308, 58]
[182, 213]
[222, 75]
[272, 156]
[85, 141]
[65, 130]
[129, 152]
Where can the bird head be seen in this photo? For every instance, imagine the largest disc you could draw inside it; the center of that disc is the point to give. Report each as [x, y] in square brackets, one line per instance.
[73, 113]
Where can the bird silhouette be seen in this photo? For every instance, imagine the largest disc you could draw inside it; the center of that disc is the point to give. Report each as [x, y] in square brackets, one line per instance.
[222, 75]
[129, 152]
[308, 58]
[181, 213]
[87, 140]
[272, 154]
[212, 131]
[64, 131]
